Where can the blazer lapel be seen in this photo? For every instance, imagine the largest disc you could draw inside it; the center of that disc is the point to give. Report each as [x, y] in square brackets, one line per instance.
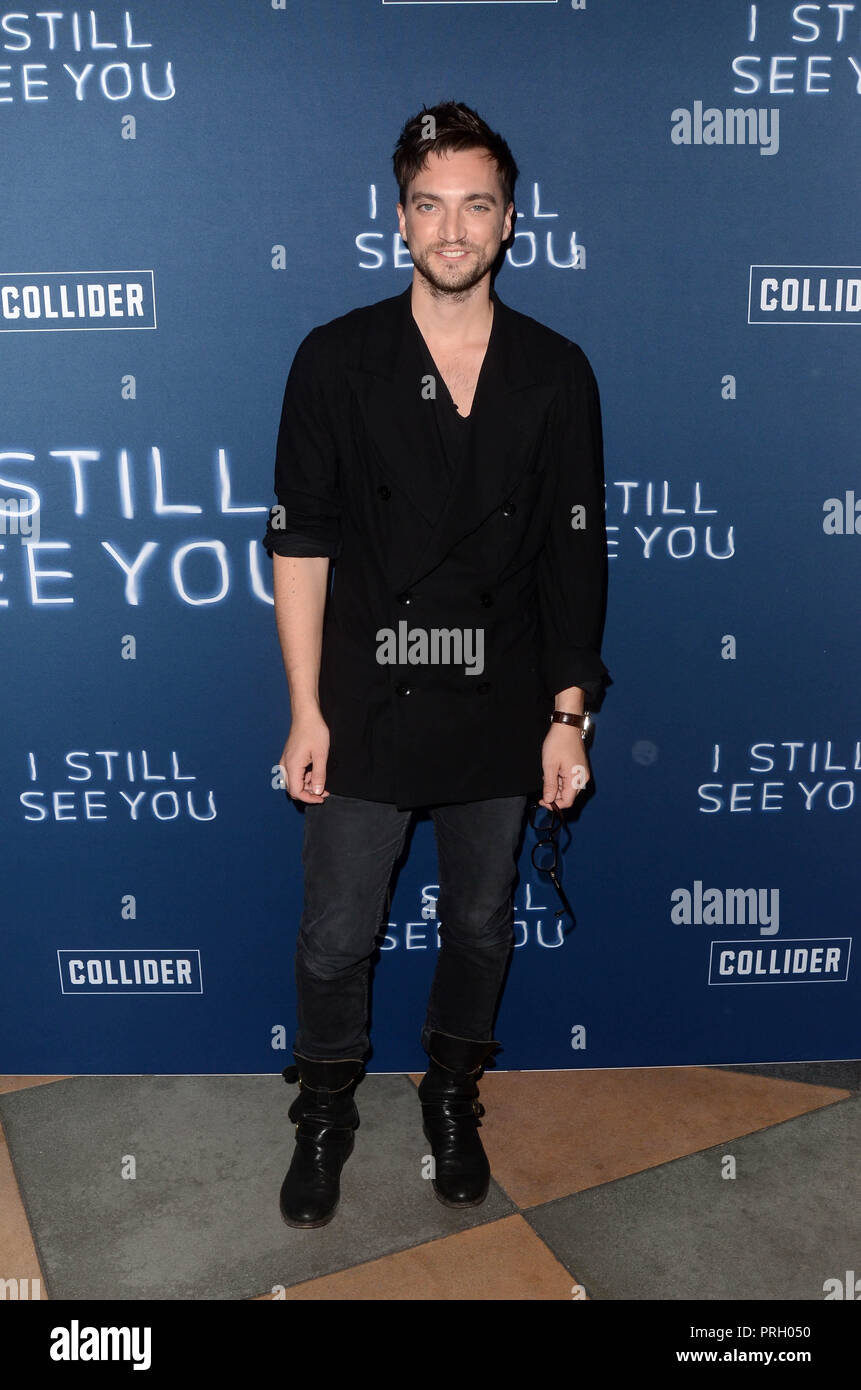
[388, 387]
[509, 400]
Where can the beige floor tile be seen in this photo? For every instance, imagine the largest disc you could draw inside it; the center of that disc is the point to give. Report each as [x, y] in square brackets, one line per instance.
[548, 1134]
[18, 1259]
[504, 1260]
[20, 1083]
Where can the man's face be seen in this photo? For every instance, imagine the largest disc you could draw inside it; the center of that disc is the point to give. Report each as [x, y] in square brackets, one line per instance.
[455, 220]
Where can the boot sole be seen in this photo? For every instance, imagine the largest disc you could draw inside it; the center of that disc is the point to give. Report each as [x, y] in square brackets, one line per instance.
[447, 1202]
[309, 1225]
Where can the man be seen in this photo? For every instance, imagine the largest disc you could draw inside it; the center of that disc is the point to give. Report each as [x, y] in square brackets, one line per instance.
[444, 451]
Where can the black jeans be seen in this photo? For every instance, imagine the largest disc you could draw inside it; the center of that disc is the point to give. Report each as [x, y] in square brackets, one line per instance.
[349, 851]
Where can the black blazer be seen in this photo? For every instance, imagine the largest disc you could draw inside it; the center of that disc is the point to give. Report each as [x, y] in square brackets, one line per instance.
[359, 477]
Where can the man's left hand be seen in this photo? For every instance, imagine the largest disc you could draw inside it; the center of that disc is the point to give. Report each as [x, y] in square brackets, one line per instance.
[565, 764]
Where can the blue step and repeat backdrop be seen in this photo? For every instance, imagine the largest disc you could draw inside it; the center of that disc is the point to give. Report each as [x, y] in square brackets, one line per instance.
[187, 190]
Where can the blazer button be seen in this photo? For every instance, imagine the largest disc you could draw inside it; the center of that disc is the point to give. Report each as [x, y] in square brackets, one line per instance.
[402, 689]
[405, 598]
[487, 600]
[509, 509]
[483, 688]
[384, 492]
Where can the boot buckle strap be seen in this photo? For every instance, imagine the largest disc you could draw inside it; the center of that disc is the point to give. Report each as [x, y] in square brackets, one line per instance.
[322, 1129]
[453, 1108]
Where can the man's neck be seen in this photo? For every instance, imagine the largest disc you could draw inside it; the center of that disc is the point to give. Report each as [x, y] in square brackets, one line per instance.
[449, 319]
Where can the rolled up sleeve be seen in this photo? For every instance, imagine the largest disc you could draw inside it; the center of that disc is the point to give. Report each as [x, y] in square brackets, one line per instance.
[306, 519]
[572, 569]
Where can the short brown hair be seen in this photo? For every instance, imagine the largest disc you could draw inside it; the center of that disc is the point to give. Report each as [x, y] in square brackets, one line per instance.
[458, 127]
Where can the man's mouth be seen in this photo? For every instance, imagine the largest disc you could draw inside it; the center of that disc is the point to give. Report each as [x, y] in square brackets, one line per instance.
[453, 255]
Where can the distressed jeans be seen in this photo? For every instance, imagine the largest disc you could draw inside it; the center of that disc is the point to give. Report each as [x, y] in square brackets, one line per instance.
[349, 851]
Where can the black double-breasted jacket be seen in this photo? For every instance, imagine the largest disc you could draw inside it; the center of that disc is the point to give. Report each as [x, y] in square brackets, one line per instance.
[457, 609]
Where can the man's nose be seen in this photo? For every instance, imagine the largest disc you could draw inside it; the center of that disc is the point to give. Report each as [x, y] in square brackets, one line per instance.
[452, 230]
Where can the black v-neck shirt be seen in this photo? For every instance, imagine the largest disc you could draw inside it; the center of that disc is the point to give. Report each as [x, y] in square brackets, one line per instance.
[454, 428]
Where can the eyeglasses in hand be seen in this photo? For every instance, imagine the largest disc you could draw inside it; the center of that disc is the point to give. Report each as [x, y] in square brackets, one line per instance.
[546, 849]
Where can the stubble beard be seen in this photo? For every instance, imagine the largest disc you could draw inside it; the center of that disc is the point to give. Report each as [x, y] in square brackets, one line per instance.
[445, 284]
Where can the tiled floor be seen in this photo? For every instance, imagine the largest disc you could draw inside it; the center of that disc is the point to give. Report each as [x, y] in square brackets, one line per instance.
[669, 1183]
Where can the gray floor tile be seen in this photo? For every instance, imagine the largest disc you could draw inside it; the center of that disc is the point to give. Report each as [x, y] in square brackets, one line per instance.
[200, 1220]
[845, 1075]
[789, 1220]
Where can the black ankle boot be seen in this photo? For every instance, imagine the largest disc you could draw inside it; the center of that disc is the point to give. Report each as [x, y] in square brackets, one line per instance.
[451, 1115]
[326, 1118]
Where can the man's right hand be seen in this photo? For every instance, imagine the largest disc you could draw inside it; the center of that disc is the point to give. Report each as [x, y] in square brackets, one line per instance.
[304, 758]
